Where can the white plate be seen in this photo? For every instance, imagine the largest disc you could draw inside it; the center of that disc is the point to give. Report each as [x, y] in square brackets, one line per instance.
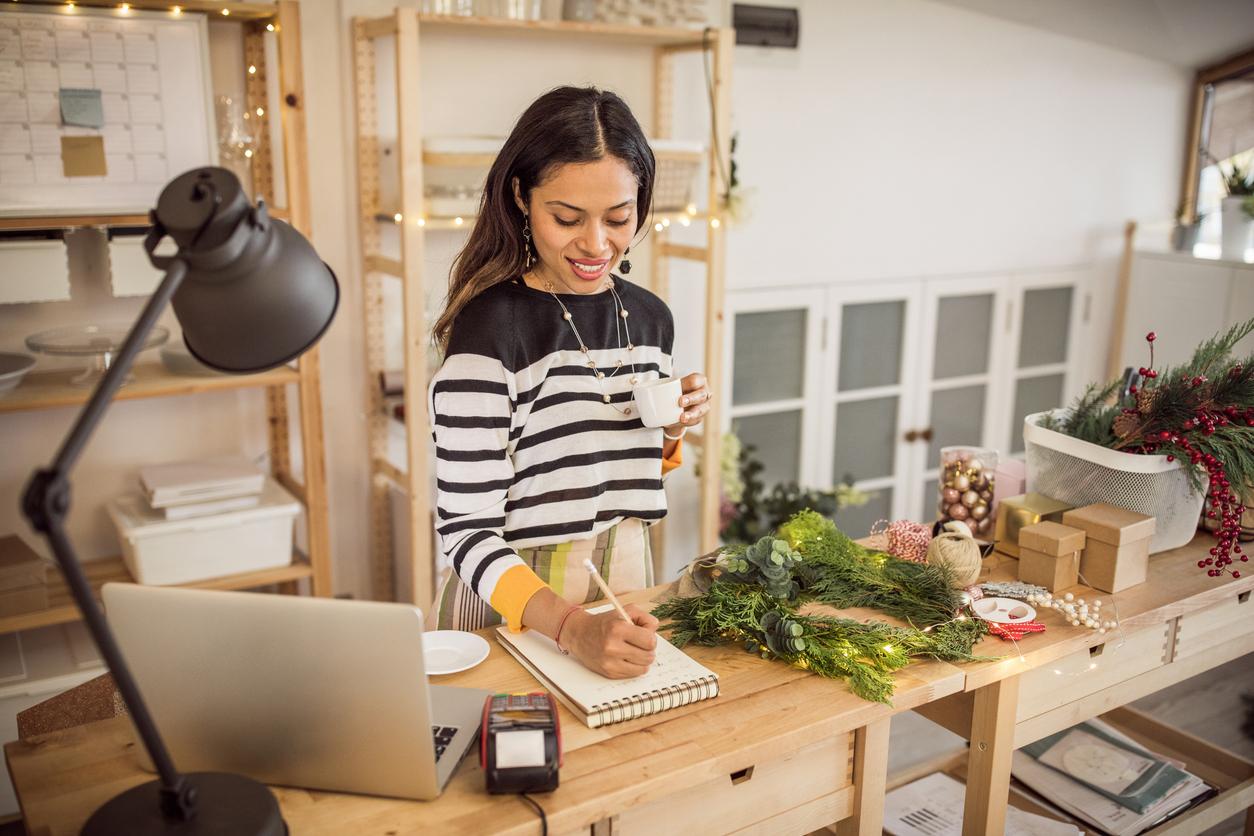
[450, 651]
[1004, 610]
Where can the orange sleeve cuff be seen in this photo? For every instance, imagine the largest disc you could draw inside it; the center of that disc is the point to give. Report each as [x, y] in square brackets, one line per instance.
[676, 459]
[512, 592]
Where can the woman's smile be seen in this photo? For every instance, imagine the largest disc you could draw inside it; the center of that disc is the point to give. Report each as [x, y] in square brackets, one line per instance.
[588, 270]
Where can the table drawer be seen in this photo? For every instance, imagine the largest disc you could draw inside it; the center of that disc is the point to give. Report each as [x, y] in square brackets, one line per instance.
[1093, 669]
[1226, 621]
[800, 791]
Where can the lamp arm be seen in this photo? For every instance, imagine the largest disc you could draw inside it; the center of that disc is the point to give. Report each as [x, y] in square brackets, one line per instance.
[46, 504]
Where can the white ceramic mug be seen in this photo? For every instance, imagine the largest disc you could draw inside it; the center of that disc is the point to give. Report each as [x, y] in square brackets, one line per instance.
[658, 401]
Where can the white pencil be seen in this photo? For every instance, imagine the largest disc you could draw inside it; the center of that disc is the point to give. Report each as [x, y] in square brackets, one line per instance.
[596, 576]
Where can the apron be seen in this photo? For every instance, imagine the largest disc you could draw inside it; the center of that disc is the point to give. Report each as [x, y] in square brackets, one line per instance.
[620, 553]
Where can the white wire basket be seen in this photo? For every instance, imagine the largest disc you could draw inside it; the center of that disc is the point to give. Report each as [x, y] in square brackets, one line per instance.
[1080, 473]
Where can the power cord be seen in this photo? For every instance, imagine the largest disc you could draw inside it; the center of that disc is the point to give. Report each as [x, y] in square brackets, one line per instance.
[544, 821]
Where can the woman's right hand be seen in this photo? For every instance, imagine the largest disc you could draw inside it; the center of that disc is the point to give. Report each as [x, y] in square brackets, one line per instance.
[607, 644]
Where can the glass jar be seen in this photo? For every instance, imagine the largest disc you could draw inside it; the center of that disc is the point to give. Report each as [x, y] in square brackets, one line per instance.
[966, 485]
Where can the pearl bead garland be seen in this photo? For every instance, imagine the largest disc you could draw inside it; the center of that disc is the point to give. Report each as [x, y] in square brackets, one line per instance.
[1077, 611]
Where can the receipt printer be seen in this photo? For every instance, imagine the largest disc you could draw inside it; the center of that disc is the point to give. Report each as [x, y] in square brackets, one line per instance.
[520, 743]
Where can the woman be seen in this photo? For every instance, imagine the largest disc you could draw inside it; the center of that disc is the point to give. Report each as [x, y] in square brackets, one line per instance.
[541, 459]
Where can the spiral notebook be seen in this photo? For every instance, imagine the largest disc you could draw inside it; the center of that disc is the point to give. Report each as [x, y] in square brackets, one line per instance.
[674, 680]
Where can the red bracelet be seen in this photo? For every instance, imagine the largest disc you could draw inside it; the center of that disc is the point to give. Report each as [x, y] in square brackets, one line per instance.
[557, 638]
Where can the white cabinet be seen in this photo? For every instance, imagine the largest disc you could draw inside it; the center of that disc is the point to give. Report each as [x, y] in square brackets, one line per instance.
[866, 382]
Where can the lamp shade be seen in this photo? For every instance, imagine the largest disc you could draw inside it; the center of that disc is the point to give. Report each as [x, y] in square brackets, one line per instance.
[256, 295]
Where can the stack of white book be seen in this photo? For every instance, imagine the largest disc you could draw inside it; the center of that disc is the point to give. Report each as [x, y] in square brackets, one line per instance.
[182, 490]
[1101, 776]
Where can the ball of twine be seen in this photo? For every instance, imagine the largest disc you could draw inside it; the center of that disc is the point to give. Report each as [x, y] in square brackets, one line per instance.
[961, 554]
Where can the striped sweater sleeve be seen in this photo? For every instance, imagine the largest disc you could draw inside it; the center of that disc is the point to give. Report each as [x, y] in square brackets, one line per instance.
[471, 408]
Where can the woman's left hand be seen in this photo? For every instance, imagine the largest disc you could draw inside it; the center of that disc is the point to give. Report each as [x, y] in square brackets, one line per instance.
[695, 402]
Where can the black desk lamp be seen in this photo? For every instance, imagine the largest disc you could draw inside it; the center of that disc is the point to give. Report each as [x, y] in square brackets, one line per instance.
[251, 294]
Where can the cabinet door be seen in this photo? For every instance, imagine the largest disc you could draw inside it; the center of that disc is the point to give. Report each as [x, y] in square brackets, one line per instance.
[1047, 325]
[866, 397]
[773, 345]
[958, 366]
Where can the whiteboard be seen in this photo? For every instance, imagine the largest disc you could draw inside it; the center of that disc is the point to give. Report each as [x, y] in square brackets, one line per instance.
[152, 71]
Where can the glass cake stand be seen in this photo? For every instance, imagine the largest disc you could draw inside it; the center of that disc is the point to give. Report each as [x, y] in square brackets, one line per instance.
[97, 343]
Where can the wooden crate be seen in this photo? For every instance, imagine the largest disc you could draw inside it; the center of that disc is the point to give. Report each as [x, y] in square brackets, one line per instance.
[810, 788]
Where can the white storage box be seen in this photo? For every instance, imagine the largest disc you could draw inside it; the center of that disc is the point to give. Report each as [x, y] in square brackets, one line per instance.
[159, 551]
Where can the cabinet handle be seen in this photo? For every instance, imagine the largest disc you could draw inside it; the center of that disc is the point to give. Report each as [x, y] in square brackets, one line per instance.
[911, 436]
[741, 775]
[926, 435]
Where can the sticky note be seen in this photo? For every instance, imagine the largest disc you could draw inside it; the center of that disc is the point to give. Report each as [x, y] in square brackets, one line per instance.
[82, 107]
[83, 156]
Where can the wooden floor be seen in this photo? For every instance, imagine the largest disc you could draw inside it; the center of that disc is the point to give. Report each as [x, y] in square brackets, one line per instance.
[1217, 706]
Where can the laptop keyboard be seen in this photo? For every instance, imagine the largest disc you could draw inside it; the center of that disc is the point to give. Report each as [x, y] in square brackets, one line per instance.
[442, 736]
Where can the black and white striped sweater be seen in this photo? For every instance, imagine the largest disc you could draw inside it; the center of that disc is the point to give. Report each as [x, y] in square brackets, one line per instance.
[527, 452]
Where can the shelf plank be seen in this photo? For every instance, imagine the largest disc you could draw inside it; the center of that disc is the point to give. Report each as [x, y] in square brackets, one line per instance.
[48, 390]
[34, 223]
[645, 35]
[61, 609]
[239, 10]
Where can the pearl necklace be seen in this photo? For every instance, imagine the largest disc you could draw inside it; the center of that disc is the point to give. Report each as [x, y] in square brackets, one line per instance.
[583, 346]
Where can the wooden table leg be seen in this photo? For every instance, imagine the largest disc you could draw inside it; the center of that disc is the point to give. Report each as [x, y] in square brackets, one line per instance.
[988, 765]
[870, 775]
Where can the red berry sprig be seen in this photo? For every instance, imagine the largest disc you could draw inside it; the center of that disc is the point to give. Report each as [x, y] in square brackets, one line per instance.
[1224, 506]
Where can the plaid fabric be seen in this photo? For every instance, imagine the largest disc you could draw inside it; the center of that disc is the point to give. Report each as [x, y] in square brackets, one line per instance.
[621, 555]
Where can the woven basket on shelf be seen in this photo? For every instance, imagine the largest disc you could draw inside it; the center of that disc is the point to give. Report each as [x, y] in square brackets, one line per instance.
[677, 166]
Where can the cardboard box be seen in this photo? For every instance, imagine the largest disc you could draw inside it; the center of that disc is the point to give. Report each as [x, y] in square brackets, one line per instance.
[1052, 538]
[1111, 524]
[1114, 568]
[1016, 513]
[1054, 572]
[1116, 554]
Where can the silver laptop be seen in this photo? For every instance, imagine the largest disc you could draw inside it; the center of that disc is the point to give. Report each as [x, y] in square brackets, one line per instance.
[303, 692]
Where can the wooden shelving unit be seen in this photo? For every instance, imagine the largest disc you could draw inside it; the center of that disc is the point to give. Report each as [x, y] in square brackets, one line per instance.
[408, 215]
[52, 390]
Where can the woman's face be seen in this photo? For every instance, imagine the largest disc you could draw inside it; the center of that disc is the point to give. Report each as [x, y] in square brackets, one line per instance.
[583, 218]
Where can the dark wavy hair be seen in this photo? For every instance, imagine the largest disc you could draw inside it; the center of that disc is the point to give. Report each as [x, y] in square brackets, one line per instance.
[565, 125]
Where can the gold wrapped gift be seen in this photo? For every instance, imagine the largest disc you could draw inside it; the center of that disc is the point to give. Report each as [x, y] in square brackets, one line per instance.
[1016, 513]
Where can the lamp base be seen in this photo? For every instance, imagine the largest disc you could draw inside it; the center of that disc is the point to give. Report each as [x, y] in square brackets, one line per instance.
[226, 805]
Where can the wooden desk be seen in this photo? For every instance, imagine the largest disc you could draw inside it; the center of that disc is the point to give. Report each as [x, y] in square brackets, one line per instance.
[778, 745]
[1175, 626]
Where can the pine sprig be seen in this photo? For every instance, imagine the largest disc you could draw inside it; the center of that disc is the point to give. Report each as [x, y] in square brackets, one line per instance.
[843, 574]
[743, 606]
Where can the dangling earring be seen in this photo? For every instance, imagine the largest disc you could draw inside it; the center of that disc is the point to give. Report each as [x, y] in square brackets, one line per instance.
[625, 265]
[526, 233]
